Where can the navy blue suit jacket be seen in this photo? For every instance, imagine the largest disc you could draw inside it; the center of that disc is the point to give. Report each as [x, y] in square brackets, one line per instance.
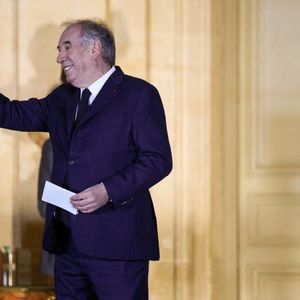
[121, 141]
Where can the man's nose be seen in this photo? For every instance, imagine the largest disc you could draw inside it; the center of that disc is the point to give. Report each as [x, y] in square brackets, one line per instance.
[60, 57]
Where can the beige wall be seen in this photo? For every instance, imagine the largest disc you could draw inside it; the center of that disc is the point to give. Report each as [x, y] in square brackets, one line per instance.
[227, 71]
[269, 177]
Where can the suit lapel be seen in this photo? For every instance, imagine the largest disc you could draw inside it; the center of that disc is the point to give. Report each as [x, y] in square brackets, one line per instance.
[72, 101]
[105, 97]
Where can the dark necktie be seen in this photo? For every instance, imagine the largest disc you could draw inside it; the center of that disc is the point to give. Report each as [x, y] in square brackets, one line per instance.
[61, 214]
[83, 104]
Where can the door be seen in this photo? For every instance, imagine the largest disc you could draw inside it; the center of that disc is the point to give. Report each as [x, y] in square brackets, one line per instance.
[269, 150]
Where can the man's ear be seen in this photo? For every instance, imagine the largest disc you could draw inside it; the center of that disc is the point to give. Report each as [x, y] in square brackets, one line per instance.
[96, 49]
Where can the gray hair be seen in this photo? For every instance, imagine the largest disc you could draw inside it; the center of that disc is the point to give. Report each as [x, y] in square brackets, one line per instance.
[96, 30]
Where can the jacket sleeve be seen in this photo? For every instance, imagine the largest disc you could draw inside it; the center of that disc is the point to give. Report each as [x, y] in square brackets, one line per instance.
[28, 115]
[154, 159]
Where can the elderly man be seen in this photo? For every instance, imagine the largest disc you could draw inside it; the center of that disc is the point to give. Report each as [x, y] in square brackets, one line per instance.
[110, 145]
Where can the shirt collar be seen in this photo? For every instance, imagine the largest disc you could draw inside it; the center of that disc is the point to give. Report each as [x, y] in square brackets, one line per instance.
[96, 86]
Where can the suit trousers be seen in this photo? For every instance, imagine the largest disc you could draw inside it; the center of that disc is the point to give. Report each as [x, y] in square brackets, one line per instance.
[78, 277]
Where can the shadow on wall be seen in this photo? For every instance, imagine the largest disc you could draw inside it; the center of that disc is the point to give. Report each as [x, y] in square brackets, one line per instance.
[42, 53]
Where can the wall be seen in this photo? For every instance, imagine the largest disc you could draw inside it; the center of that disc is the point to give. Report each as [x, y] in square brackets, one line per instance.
[169, 44]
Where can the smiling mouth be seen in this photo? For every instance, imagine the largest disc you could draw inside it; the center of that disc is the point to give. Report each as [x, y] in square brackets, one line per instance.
[67, 68]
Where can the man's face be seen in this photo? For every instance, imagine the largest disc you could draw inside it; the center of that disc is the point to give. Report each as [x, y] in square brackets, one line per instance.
[75, 59]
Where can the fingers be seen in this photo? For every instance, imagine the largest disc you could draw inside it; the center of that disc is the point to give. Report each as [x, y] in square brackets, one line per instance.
[82, 201]
[79, 196]
[90, 199]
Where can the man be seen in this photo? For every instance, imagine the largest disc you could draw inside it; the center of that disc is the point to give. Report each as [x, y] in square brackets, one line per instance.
[110, 156]
[47, 259]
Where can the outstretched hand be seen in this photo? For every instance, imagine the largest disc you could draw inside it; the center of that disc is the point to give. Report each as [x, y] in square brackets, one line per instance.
[90, 199]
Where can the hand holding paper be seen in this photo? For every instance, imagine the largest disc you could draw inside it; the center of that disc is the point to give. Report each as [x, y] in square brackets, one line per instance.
[91, 198]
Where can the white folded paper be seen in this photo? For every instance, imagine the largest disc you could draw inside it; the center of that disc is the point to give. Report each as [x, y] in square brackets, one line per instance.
[58, 196]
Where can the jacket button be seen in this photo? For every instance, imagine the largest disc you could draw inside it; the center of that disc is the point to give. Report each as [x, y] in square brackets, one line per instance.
[71, 162]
